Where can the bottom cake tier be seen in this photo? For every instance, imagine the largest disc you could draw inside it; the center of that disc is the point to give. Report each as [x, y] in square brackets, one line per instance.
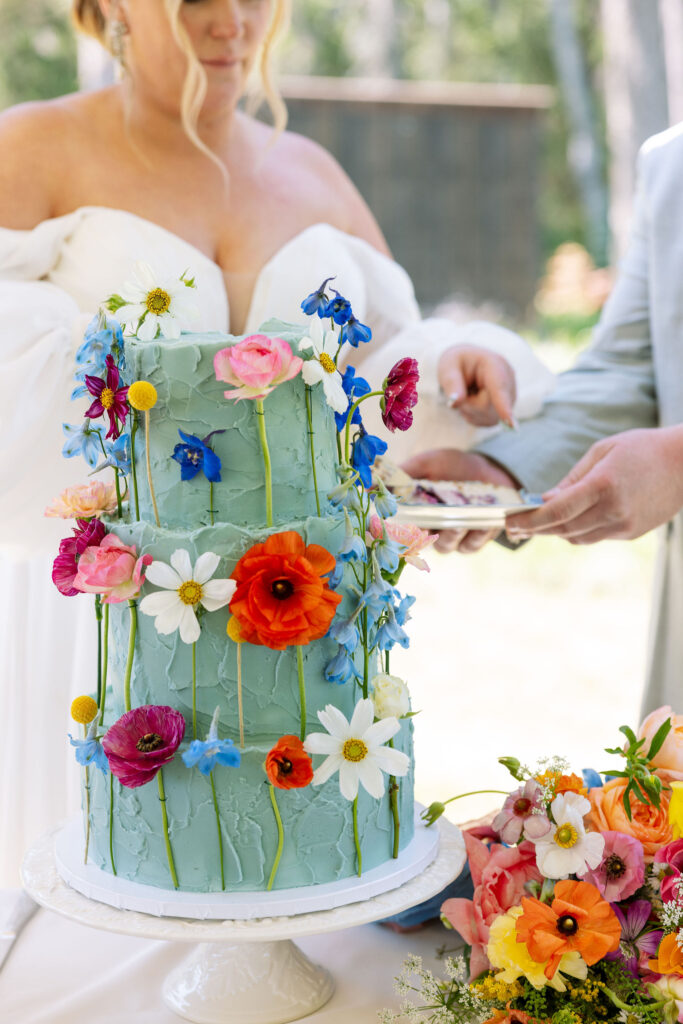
[318, 844]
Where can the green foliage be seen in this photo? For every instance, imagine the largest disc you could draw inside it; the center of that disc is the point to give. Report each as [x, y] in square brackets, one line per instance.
[37, 51]
[643, 784]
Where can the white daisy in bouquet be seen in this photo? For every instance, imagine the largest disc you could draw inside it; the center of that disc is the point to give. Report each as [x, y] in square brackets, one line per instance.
[185, 587]
[321, 367]
[151, 304]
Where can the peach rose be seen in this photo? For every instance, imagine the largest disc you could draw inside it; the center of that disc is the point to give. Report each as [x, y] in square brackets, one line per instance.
[412, 538]
[669, 759]
[649, 825]
[113, 569]
[84, 501]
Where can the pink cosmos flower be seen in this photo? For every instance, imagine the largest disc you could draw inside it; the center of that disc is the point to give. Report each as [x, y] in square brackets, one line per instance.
[400, 395]
[622, 869]
[523, 813]
[109, 398]
[112, 569]
[143, 741]
[499, 874]
[672, 856]
[87, 533]
[255, 366]
[412, 538]
[84, 501]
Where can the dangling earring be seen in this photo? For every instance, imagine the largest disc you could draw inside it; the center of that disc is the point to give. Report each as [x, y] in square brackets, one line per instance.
[117, 30]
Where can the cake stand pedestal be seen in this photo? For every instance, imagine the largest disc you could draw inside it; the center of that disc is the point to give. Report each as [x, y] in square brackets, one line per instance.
[242, 971]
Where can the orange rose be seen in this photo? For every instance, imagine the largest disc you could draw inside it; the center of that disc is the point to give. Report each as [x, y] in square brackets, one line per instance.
[669, 759]
[649, 825]
[669, 956]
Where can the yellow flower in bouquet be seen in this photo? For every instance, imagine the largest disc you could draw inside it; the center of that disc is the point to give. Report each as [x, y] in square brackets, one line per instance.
[513, 960]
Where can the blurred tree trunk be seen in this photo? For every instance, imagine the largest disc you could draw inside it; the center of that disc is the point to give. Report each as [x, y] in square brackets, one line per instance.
[671, 13]
[377, 52]
[636, 100]
[585, 155]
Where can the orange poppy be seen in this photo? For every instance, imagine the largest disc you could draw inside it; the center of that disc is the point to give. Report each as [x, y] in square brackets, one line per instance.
[562, 783]
[669, 956]
[288, 766]
[577, 919]
[282, 596]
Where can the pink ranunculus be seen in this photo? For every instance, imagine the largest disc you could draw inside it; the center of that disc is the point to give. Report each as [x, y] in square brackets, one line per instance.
[523, 813]
[672, 856]
[412, 538]
[112, 569]
[499, 874]
[141, 742]
[84, 501]
[255, 366]
[668, 761]
[621, 872]
[87, 533]
[400, 395]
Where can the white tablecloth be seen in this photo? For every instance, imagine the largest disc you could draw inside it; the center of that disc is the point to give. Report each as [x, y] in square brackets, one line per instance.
[59, 972]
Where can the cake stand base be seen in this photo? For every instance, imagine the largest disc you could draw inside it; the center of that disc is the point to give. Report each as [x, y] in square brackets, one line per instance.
[251, 983]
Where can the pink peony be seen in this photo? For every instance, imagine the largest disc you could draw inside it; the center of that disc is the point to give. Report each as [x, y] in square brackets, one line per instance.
[143, 741]
[84, 501]
[522, 813]
[412, 538]
[672, 856]
[112, 569]
[621, 872]
[499, 874]
[400, 395]
[87, 533]
[255, 366]
[669, 759]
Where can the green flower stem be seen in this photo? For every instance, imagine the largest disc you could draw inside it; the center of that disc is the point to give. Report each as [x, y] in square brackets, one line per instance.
[211, 501]
[134, 474]
[302, 689]
[240, 709]
[366, 653]
[194, 690]
[475, 792]
[261, 413]
[309, 414]
[280, 838]
[87, 805]
[349, 417]
[111, 821]
[393, 802]
[149, 470]
[98, 619]
[105, 662]
[167, 838]
[356, 837]
[218, 826]
[386, 662]
[339, 448]
[118, 494]
[131, 654]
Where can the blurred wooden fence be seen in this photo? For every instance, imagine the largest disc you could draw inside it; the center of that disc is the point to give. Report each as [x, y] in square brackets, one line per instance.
[451, 171]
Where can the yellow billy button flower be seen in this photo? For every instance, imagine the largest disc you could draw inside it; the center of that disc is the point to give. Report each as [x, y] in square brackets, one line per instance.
[234, 630]
[676, 809]
[142, 395]
[83, 710]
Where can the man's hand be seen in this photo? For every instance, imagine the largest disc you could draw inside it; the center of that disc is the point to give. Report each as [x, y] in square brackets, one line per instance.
[452, 464]
[621, 488]
[479, 383]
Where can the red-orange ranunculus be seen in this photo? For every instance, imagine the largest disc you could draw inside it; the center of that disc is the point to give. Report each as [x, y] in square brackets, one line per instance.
[288, 766]
[282, 598]
[577, 919]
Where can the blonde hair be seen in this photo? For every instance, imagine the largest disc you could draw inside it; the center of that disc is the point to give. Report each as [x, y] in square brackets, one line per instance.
[88, 18]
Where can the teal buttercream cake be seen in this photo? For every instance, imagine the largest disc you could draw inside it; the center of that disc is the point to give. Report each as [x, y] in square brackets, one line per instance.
[254, 690]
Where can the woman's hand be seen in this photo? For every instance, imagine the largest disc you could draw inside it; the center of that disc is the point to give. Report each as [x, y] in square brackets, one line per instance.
[481, 384]
[621, 488]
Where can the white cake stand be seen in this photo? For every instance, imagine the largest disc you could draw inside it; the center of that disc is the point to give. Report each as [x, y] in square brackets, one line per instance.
[242, 971]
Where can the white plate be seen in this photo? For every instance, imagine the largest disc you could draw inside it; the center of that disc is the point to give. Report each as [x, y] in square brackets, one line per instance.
[462, 517]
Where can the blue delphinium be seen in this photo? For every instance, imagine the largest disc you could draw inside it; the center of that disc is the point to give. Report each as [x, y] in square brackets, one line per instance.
[345, 632]
[317, 301]
[355, 387]
[345, 494]
[212, 751]
[366, 448]
[353, 547]
[89, 752]
[385, 502]
[390, 633]
[339, 309]
[387, 552]
[377, 597]
[336, 576]
[402, 610]
[591, 778]
[83, 440]
[341, 669]
[195, 455]
[118, 455]
[354, 332]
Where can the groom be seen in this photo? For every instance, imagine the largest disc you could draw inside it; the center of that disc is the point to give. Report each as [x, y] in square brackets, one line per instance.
[607, 448]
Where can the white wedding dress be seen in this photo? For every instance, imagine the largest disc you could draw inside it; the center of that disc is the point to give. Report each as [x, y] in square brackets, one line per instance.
[52, 280]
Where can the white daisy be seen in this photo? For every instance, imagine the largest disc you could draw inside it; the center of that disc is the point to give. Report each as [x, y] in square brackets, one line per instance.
[567, 849]
[322, 366]
[356, 750]
[184, 588]
[150, 303]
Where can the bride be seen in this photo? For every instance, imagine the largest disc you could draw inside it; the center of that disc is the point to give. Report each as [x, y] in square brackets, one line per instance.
[164, 166]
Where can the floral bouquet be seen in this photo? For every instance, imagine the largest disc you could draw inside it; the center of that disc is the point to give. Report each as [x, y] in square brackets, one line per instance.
[577, 912]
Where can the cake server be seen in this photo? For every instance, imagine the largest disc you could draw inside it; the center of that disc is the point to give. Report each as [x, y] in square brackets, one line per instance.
[12, 924]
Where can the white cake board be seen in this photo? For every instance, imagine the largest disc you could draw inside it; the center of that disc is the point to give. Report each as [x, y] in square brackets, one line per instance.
[244, 971]
[100, 885]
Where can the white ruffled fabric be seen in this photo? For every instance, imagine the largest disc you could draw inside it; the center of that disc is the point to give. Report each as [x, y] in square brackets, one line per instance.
[52, 280]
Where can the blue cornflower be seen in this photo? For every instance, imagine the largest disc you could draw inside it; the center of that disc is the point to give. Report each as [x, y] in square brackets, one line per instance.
[353, 547]
[390, 633]
[385, 502]
[353, 331]
[366, 448]
[83, 440]
[345, 494]
[317, 302]
[118, 455]
[195, 454]
[341, 669]
[403, 608]
[339, 309]
[206, 755]
[90, 751]
[355, 387]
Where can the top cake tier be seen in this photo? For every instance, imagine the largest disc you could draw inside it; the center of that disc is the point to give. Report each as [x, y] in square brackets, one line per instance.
[192, 400]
